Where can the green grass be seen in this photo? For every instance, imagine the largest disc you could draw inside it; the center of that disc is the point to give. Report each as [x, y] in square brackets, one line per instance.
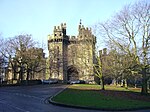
[107, 87]
[89, 95]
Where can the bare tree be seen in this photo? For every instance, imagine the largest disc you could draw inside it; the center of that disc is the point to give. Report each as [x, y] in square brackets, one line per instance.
[22, 55]
[35, 63]
[98, 67]
[129, 30]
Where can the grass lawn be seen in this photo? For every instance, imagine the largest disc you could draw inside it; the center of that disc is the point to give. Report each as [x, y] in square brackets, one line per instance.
[112, 98]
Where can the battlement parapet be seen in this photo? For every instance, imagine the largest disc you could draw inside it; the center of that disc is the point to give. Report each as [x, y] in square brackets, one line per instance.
[85, 30]
[72, 37]
[60, 28]
[85, 33]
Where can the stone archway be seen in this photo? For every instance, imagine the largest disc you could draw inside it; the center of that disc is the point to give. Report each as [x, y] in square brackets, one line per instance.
[72, 73]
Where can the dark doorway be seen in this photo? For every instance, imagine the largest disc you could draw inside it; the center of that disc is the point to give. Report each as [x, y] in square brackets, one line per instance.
[72, 73]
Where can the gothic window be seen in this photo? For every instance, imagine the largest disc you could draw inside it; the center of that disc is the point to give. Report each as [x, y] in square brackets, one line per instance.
[57, 50]
[55, 34]
[57, 47]
[88, 60]
[59, 34]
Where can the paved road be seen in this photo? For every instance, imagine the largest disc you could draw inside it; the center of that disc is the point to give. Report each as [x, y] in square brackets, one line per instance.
[32, 99]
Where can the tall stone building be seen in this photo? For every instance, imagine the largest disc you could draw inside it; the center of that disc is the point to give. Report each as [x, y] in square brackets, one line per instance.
[71, 57]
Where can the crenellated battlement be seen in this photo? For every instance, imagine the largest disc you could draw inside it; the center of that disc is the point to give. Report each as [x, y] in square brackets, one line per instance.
[84, 32]
[59, 32]
[72, 37]
[60, 28]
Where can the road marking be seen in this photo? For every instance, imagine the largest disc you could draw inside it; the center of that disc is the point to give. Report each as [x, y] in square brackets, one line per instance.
[17, 108]
[23, 95]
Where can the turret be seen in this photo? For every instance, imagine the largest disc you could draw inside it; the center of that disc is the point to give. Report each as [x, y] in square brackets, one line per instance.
[105, 51]
[60, 31]
[63, 27]
[85, 33]
[57, 46]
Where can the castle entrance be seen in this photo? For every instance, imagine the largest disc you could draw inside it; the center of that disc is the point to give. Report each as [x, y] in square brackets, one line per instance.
[72, 73]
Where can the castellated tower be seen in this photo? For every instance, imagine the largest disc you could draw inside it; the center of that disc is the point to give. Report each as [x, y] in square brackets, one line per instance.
[71, 57]
[57, 46]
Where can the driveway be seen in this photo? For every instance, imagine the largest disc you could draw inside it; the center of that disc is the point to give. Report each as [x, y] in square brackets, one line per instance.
[33, 99]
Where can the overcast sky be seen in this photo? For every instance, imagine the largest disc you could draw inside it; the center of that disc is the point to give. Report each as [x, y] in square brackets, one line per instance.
[38, 17]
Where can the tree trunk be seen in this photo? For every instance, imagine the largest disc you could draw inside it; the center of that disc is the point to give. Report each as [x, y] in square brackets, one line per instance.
[28, 73]
[125, 84]
[144, 82]
[19, 79]
[144, 87]
[102, 83]
[21, 75]
[148, 84]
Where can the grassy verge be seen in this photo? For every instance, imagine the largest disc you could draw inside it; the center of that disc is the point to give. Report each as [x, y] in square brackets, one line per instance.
[91, 96]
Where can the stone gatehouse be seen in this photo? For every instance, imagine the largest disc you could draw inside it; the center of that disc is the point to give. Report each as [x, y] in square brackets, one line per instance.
[71, 57]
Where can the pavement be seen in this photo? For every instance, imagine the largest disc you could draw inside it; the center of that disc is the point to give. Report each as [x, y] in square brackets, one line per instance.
[34, 99]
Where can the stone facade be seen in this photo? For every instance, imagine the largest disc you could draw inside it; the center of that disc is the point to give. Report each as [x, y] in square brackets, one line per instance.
[71, 57]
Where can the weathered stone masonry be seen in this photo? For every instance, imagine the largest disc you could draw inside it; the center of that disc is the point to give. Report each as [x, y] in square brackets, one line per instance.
[71, 57]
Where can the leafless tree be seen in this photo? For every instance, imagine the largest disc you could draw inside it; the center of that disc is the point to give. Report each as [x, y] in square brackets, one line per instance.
[129, 31]
[22, 55]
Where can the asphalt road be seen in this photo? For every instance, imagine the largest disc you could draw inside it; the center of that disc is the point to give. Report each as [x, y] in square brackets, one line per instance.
[32, 99]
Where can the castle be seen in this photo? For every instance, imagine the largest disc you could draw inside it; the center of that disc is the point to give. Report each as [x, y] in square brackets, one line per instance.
[71, 57]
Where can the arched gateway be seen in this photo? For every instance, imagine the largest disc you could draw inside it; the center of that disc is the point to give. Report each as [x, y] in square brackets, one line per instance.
[72, 73]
